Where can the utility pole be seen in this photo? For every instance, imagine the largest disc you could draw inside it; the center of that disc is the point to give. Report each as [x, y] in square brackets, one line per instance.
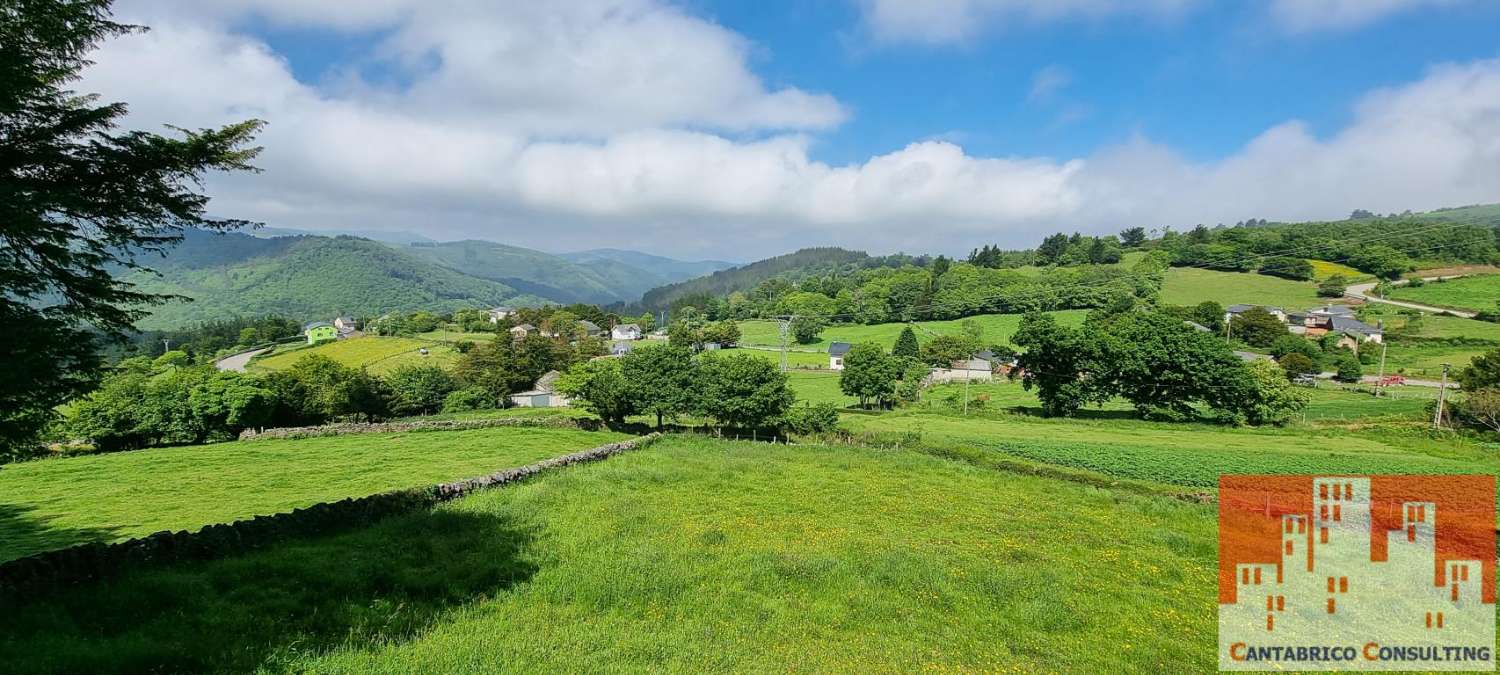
[166, 345]
[1380, 379]
[1437, 415]
[786, 327]
[966, 385]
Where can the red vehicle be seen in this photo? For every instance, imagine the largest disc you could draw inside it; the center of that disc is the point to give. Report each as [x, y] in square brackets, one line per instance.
[1390, 380]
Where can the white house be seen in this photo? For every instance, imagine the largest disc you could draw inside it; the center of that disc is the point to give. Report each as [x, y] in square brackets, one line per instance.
[345, 325]
[836, 352]
[1236, 310]
[976, 369]
[542, 395]
[522, 330]
[625, 331]
[499, 313]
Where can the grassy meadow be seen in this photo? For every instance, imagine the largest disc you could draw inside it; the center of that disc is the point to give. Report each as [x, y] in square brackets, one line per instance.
[1190, 286]
[688, 556]
[1472, 293]
[380, 355]
[1184, 455]
[108, 497]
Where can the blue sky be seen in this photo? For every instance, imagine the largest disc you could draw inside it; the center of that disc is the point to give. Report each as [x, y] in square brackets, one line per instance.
[731, 129]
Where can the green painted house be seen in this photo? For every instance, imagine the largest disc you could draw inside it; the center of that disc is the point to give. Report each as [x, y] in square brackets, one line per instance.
[320, 331]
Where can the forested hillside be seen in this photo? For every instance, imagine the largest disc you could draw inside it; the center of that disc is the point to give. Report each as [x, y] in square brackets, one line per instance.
[667, 270]
[235, 274]
[791, 267]
[599, 281]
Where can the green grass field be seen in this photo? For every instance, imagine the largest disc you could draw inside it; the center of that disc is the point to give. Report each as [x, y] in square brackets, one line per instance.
[997, 329]
[691, 555]
[1190, 286]
[54, 503]
[1186, 455]
[380, 355]
[1472, 293]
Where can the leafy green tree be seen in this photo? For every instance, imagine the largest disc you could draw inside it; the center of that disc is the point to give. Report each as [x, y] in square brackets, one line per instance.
[806, 329]
[1133, 237]
[726, 333]
[81, 201]
[1054, 363]
[1271, 399]
[1348, 368]
[1382, 261]
[1296, 344]
[906, 344]
[869, 374]
[109, 417]
[647, 322]
[1257, 327]
[1480, 408]
[941, 351]
[1162, 365]
[1482, 373]
[817, 418]
[1210, 315]
[418, 389]
[743, 391]
[1298, 269]
[600, 387]
[661, 380]
[1297, 364]
[913, 372]
[227, 403]
[317, 389]
[1333, 287]
[468, 399]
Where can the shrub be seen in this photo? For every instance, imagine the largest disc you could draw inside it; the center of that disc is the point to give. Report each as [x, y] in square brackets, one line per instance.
[467, 399]
[1297, 364]
[419, 390]
[1349, 369]
[1272, 399]
[1333, 287]
[819, 418]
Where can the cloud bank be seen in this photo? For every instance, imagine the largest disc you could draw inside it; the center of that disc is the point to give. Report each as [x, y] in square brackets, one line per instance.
[633, 124]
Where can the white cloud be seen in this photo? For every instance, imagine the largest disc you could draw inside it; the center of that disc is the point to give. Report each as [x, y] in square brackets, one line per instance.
[1313, 15]
[643, 164]
[1048, 81]
[945, 21]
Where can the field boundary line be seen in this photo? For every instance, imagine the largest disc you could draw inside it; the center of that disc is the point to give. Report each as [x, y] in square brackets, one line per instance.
[38, 573]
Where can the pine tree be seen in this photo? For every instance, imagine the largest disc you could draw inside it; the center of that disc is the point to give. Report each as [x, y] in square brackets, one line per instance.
[906, 344]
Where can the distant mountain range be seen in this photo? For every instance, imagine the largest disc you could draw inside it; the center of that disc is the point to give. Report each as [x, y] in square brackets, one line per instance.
[306, 276]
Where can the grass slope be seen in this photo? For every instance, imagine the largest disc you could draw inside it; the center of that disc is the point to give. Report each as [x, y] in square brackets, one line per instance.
[1184, 455]
[380, 355]
[689, 556]
[1471, 293]
[55, 503]
[1190, 286]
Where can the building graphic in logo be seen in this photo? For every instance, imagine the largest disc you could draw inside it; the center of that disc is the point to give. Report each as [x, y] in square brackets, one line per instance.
[1357, 573]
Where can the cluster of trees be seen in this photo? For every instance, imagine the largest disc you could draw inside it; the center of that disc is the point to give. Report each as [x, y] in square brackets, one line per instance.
[1162, 366]
[209, 338]
[1061, 249]
[668, 381]
[940, 290]
[1479, 407]
[692, 330]
[1400, 242]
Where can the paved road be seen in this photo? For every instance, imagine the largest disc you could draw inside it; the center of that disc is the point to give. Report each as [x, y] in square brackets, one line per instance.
[1362, 292]
[237, 362]
[1372, 379]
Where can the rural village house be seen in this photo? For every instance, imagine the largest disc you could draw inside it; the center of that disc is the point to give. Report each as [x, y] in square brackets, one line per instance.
[499, 313]
[836, 352]
[542, 395]
[320, 331]
[626, 331]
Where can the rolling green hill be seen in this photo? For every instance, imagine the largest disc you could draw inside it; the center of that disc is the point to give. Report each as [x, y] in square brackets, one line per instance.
[599, 281]
[666, 269]
[305, 278]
